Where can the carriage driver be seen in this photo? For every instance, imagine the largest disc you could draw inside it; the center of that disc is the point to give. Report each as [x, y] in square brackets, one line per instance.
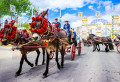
[67, 27]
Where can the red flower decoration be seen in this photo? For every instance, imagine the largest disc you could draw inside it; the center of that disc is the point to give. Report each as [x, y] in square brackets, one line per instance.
[43, 27]
[13, 31]
[58, 29]
[25, 30]
[33, 18]
[40, 18]
[43, 30]
[34, 23]
[27, 34]
[29, 23]
[57, 25]
[45, 43]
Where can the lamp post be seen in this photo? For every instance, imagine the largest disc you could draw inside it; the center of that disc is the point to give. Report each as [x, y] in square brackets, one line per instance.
[60, 16]
[112, 26]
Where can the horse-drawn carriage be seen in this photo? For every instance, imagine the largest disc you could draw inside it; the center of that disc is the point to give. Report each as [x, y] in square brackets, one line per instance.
[117, 42]
[70, 48]
[43, 36]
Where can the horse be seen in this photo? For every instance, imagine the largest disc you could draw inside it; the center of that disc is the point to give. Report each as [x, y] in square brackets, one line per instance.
[16, 42]
[86, 42]
[101, 40]
[56, 40]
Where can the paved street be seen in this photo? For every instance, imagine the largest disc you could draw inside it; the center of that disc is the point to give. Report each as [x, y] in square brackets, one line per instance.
[89, 67]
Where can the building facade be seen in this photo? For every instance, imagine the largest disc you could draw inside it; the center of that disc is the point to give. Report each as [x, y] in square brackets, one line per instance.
[99, 27]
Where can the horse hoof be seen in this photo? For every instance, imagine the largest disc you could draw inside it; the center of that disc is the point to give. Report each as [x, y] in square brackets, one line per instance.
[45, 74]
[36, 64]
[43, 63]
[62, 66]
[31, 65]
[99, 50]
[107, 50]
[59, 67]
[17, 74]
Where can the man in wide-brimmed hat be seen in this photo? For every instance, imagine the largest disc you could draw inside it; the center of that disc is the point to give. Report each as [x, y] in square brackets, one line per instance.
[67, 26]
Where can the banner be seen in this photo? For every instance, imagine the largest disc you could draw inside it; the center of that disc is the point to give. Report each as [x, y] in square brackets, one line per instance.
[12, 8]
[97, 14]
[80, 14]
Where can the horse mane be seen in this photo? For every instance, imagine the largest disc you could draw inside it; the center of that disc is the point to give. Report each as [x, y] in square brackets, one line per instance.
[92, 34]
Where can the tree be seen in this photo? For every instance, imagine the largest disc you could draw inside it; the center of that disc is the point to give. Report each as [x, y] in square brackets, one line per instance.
[21, 7]
[26, 25]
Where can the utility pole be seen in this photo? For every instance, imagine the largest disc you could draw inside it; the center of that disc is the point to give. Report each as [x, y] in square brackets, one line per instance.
[112, 22]
[112, 26]
[60, 15]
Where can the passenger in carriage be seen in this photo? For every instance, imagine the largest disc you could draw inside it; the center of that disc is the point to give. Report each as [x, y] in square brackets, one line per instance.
[74, 37]
[74, 34]
[57, 23]
[23, 36]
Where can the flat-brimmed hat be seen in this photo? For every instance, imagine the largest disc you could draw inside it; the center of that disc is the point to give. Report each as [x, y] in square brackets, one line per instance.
[66, 21]
[56, 18]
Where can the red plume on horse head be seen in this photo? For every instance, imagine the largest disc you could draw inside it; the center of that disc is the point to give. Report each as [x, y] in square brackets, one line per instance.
[39, 22]
[9, 30]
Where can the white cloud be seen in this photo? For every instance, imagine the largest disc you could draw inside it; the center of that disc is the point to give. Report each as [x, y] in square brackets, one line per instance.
[61, 4]
[117, 8]
[55, 10]
[99, 5]
[106, 3]
[74, 20]
[107, 17]
[74, 9]
[91, 7]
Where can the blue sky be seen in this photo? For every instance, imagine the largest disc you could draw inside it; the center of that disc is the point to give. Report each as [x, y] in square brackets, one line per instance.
[70, 9]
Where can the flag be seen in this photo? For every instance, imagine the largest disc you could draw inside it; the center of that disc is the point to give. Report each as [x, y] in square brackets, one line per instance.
[97, 13]
[80, 14]
[12, 8]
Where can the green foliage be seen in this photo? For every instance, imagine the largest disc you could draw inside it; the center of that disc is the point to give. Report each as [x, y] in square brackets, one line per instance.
[26, 26]
[21, 7]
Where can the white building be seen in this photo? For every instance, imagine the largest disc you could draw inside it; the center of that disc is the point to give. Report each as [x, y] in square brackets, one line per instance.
[99, 27]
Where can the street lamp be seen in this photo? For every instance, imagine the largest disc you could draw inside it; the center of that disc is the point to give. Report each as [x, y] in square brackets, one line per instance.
[112, 26]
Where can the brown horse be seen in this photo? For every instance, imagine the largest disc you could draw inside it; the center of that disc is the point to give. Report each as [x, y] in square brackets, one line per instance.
[55, 40]
[16, 42]
[86, 42]
[101, 40]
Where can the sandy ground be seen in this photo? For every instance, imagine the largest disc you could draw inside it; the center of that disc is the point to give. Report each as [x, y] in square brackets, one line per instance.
[89, 67]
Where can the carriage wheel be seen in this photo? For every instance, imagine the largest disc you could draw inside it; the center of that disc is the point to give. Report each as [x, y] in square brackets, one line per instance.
[73, 52]
[118, 48]
[79, 48]
[51, 54]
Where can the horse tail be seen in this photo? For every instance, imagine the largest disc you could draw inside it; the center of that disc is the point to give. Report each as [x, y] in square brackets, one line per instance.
[111, 47]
